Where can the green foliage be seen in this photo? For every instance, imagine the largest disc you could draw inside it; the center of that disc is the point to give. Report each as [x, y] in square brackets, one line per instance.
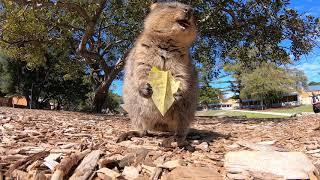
[248, 31]
[228, 30]
[69, 92]
[268, 82]
[312, 83]
[112, 102]
[29, 31]
[6, 77]
[245, 33]
[208, 95]
[23, 37]
[301, 80]
[47, 83]
[236, 70]
[240, 72]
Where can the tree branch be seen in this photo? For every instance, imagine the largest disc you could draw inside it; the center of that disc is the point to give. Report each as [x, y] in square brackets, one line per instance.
[109, 45]
[90, 29]
[117, 67]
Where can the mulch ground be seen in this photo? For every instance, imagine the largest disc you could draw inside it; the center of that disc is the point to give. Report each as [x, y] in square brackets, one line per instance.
[50, 144]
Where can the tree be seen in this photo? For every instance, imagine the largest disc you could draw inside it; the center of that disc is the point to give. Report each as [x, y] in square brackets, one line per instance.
[101, 33]
[268, 82]
[50, 82]
[113, 102]
[301, 80]
[209, 95]
[98, 33]
[6, 77]
[235, 70]
[312, 83]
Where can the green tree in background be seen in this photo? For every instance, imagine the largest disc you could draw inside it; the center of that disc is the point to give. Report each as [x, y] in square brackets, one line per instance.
[95, 33]
[268, 82]
[209, 95]
[236, 70]
[113, 102]
[50, 82]
[312, 83]
[6, 76]
[100, 33]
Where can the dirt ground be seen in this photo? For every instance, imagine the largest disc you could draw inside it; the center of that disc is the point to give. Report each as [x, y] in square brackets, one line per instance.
[38, 143]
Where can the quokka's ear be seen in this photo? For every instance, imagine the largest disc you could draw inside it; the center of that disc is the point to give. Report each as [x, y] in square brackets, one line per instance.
[153, 6]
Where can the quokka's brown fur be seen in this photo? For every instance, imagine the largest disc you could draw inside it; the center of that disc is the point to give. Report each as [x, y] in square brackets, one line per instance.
[169, 31]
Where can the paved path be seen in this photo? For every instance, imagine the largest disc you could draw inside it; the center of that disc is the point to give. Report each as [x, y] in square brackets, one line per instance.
[264, 112]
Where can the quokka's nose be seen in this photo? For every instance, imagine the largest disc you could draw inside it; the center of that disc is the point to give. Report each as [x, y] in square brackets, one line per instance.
[188, 11]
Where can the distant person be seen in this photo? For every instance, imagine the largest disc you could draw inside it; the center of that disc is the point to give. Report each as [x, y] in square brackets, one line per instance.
[314, 99]
[315, 103]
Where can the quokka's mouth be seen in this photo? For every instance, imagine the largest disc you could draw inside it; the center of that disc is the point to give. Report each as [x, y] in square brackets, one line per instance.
[183, 23]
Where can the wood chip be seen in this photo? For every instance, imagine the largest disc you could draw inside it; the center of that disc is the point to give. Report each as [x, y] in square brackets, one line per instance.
[34, 165]
[17, 174]
[30, 132]
[149, 169]
[182, 173]
[105, 172]
[33, 157]
[67, 163]
[53, 156]
[36, 175]
[313, 151]
[157, 173]
[130, 172]
[171, 164]
[51, 164]
[84, 170]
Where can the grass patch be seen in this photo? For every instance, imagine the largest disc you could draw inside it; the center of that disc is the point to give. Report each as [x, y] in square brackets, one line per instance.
[235, 113]
[304, 108]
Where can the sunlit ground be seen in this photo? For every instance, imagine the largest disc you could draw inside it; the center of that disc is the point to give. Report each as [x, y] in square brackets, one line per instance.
[305, 108]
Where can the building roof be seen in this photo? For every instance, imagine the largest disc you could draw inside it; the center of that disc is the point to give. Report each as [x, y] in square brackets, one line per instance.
[313, 88]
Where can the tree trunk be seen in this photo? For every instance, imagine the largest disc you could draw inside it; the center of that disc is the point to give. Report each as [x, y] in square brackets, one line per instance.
[100, 96]
[261, 104]
[103, 88]
[58, 106]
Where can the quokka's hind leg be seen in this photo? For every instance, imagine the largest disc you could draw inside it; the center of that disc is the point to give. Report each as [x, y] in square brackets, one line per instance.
[128, 135]
[139, 132]
[181, 130]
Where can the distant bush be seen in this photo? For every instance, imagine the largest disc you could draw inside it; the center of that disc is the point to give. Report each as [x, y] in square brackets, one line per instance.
[112, 103]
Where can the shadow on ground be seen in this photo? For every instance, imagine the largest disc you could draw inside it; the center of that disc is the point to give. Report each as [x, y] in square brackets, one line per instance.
[239, 120]
[205, 135]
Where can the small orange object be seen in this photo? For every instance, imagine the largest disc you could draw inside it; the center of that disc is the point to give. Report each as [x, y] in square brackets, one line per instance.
[18, 101]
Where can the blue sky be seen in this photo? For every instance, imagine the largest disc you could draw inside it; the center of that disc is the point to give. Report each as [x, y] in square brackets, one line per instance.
[310, 63]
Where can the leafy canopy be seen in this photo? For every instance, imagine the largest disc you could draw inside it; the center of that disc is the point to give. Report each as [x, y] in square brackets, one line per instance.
[312, 83]
[268, 82]
[209, 95]
[102, 31]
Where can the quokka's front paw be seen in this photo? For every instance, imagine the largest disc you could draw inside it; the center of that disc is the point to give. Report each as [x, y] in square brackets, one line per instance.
[145, 90]
[178, 95]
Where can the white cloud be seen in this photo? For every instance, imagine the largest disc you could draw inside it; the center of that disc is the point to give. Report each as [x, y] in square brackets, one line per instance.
[311, 69]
